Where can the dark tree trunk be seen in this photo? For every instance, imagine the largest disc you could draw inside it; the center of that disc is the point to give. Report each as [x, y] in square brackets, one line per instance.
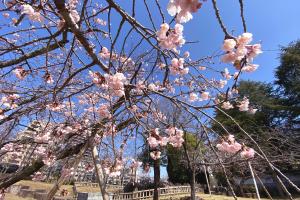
[156, 179]
[192, 183]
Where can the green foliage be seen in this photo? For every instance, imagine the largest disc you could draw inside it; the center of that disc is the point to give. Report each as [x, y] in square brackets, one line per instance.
[178, 172]
[261, 96]
[288, 79]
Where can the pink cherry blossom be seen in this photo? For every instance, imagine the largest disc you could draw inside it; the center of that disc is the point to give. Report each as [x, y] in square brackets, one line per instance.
[115, 83]
[135, 164]
[175, 136]
[100, 21]
[235, 147]
[227, 105]
[229, 44]
[183, 9]
[177, 67]
[48, 78]
[105, 53]
[244, 39]
[10, 101]
[244, 104]
[193, 97]
[153, 142]
[14, 20]
[96, 76]
[104, 111]
[28, 10]
[229, 57]
[8, 147]
[247, 153]
[155, 155]
[162, 33]
[230, 147]
[254, 50]
[250, 68]
[252, 110]
[202, 68]
[6, 15]
[231, 138]
[2, 194]
[222, 83]
[153, 87]
[42, 138]
[20, 72]
[163, 141]
[186, 54]
[236, 51]
[205, 96]
[67, 172]
[170, 39]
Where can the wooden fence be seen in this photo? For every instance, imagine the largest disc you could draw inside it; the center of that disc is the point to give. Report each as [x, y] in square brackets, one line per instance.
[143, 194]
[148, 194]
[95, 185]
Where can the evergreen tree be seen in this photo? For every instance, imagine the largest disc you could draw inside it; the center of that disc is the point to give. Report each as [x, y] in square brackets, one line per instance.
[288, 80]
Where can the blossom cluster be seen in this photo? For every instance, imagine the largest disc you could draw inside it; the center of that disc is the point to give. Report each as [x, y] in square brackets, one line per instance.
[203, 96]
[155, 155]
[104, 111]
[231, 146]
[32, 14]
[183, 9]
[170, 38]
[177, 67]
[239, 49]
[114, 84]
[175, 138]
[243, 105]
[135, 164]
[154, 140]
[126, 62]
[10, 101]
[114, 170]
[20, 72]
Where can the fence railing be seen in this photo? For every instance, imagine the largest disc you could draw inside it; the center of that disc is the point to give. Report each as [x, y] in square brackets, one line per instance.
[95, 185]
[145, 194]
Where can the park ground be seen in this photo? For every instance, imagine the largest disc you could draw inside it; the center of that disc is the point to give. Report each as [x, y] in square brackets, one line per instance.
[47, 186]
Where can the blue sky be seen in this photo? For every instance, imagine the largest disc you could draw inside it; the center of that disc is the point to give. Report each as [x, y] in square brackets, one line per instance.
[274, 23]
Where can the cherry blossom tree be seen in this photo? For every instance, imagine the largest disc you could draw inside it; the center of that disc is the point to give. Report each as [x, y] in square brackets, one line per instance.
[93, 73]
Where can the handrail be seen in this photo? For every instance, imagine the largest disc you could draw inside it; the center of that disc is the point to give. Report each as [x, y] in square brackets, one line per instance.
[84, 184]
[142, 194]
